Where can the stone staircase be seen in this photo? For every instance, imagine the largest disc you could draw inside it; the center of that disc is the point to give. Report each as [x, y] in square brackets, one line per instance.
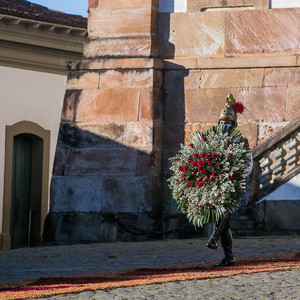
[276, 161]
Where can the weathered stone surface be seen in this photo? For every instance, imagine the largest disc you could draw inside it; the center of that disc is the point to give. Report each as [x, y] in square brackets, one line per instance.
[262, 104]
[282, 215]
[83, 80]
[151, 104]
[249, 131]
[146, 104]
[70, 105]
[173, 135]
[59, 162]
[139, 134]
[144, 162]
[174, 106]
[281, 77]
[117, 4]
[263, 32]
[79, 227]
[93, 3]
[175, 79]
[76, 193]
[117, 161]
[117, 63]
[231, 78]
[157, 78]
[124, 22]
[180, 63]
[267, 129]
[114, 105]
[126, 78]
[158, 134]
[205, 105]
[158, 102]
[114, 47]
[207, 37]
[202, 5]
[192, 80]
[127, 194]
[92, 135]
[292, 103]
[168, 153]
[246, 62]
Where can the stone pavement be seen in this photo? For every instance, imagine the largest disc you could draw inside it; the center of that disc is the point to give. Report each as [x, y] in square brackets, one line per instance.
[30, 263]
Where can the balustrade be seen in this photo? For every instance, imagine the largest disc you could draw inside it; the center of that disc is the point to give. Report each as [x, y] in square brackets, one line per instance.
[278, 158]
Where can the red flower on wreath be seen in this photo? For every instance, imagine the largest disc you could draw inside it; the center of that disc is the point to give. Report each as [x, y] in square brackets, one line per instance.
[214, 174]
[202, 154]
[214, 155]
[219, 195]
[209, 163]
[230, 155]
[191, 145]
[203, 138]
[196, 154]
[194, 163]
[180, 168]
[185, 168]
[232, 176]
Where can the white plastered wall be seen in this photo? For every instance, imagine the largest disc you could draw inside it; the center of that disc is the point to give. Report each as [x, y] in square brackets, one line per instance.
[29, 96]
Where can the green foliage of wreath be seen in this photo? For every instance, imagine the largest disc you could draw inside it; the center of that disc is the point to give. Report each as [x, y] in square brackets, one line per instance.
[208, 174]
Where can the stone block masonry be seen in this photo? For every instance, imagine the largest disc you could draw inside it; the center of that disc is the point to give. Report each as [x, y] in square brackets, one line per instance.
[147, 81]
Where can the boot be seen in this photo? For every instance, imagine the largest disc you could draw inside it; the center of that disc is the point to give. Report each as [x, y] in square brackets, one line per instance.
[213, 240]
[226, 240]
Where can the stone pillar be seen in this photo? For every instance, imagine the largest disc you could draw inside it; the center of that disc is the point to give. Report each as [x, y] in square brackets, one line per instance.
[106, 182]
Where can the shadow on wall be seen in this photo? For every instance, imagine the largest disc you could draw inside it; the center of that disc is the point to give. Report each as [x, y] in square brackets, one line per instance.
[103, 191]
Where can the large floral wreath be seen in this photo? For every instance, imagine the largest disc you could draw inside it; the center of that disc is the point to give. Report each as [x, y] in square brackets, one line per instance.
[207, 179]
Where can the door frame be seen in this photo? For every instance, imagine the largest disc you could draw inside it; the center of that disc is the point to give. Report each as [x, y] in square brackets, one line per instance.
[11, 131]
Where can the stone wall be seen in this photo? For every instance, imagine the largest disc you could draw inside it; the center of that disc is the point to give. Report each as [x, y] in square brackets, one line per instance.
[147, 82]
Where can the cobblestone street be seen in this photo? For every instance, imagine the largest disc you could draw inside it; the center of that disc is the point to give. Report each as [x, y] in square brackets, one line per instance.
[31, 263]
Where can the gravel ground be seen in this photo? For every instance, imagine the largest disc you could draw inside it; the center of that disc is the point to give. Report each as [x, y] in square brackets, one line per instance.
[31, 263]
[276, 285]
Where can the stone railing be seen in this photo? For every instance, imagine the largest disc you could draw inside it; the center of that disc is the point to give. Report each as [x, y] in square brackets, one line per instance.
[276, 160]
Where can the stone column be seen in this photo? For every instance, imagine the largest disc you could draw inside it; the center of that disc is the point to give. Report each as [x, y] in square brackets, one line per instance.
[106, 182]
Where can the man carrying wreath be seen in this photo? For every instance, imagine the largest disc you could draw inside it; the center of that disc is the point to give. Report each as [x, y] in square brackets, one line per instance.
[228, 122]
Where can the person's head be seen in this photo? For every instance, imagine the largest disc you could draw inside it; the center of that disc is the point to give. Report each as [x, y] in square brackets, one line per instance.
[228, 115]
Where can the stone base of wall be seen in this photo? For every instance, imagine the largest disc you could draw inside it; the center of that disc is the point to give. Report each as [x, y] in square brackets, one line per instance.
[73, 228]
[280, 216]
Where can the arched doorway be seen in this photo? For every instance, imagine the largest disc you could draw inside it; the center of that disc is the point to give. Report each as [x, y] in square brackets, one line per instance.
[26, 190]
[25, 184]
